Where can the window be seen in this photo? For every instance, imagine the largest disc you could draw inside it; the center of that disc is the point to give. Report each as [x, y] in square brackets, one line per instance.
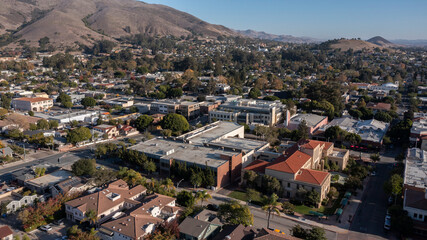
[415, 215]
[420, 216]
[289, 185]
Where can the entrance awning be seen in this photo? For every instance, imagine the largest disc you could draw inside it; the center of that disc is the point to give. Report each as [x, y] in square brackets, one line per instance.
[339, 211]
[344, 201]
[347, 195]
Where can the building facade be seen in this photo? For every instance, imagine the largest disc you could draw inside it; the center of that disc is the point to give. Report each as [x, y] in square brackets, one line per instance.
[36, 104]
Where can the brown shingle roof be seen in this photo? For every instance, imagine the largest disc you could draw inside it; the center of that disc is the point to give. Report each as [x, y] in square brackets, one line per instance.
[257, 166]
[132, 226]
[266, 234]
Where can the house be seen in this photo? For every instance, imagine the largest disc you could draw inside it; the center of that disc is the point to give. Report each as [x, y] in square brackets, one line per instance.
[42, 184]
[236, 232]
[116, 197]
[71, 185]
[194, 229]
[16, 201]
[109, 131]
[23, 175]
[126, 130]
[7, 151]
[379, 107]
[6, 233]
[312, 121]
[267, 234]
[17, 121]
[142, 220]
[37, 104]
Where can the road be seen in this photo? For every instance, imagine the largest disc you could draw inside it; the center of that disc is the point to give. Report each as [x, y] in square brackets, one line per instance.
[369, 218]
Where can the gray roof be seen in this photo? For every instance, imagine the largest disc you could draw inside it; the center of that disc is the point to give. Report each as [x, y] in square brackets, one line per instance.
[193, 227]
[311, 119]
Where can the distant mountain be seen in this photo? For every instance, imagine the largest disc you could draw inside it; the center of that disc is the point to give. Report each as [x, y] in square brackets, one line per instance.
[380, 41]
[355, 44]
[67, 21]
[274, 37]
[413, 43]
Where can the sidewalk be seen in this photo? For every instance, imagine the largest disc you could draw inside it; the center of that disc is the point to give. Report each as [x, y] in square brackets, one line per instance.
[31, 157]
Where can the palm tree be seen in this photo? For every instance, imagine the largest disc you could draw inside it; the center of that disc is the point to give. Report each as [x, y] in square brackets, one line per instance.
[91, 216]
[271, 205]
[203, 195]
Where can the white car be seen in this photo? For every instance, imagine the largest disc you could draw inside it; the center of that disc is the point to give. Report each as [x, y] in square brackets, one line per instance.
[387, 222]
[46, 228]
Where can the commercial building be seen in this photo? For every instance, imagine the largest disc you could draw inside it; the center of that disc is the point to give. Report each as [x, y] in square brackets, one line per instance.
[414, 190]
[219, 146]
[189, 110]
[251, 112]
[312, 121]
[42, 184]
[37, 104]
[371, 131]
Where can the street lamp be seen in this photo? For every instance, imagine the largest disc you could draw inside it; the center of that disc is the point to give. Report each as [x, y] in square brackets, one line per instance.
[179, 182]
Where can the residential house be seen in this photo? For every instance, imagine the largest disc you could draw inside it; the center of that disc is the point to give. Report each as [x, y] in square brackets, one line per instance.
[236, 232]
[6, 233]
[32, 104]
[7, 151]
[71, 185]
[116, 197]
[107, 131]
[126, 130]
[16, 201]
[195, 229]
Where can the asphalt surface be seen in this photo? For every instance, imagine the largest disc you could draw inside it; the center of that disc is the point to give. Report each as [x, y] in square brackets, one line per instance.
[369, 218]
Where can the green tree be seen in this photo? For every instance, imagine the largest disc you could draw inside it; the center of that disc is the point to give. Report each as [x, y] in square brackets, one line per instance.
[394, 186]
[5, 101]
[312, 198]
[43, 124]
[250, 177]
[303, 130]
[53, 124]
[383, 116]
[271, 206]
[31, 113]
[252, 194]
[316, 233]
[149, 166]
[79, 135]
[63, 97]
[299, 232]
[91, 216]
[84, 166]
[234, 213]
[254, 93]
[175, 122]
[67, 104]
[288, 208]
[185, 198]
[196, 179]
[88, 102]
[375, 157]
[203, 196]
[142, 122]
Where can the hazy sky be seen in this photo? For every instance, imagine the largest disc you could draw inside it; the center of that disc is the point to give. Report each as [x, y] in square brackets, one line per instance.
[323, 19]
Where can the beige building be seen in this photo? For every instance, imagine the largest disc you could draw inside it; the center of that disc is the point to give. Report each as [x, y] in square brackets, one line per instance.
[36, 104]
[110, 130]
[105, 203]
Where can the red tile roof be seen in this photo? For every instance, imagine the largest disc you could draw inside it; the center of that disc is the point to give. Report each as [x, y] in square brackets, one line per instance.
[257, 166]
[5, 231]
[311, 176]
[312, 144]
[292, 164]
[35, 99]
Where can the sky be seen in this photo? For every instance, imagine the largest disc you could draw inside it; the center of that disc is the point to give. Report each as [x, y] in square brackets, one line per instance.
[322, 19]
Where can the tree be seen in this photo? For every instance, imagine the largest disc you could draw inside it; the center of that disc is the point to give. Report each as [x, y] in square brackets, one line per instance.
[252, 194]
[142, 122]
[31, 113]
[303, 130]
[79, 135]
[383, 116]
[353, 183]
[43, 124]
[175, 122]
[299, 232]
[196, 179]
[91, 216]
[203, 196]
[63, 97]
[53, 124]
[234, 213]
[316, 233]
[249, 177]
[84, 166]
[312, 198]
[149, 166]
[5, 101]
[271, 205]
[131, 177]
[375, 157]
[254, 93]
[288, 208]
[394, 186]
[67, 104]
[185, 198]
[88, 102]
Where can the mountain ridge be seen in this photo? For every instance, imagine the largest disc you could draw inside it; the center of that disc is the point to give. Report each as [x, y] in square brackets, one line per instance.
[274, 37]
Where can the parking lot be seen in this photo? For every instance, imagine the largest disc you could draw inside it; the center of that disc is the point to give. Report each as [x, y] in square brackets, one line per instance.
[57, 232]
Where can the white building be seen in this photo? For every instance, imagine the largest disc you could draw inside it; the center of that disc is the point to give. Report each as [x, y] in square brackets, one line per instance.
[32, 104]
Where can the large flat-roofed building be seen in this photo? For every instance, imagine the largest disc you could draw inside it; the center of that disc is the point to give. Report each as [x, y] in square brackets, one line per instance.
[42, 184]
[219, 146]
[251, 112]
[312, 121]
[189, 110]
[36, 104]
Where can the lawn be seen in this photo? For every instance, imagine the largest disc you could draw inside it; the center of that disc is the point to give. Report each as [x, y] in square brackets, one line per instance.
[242, 196]
[302, 209]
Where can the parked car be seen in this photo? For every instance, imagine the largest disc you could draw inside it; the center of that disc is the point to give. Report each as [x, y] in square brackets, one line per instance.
[373, 173]
[390, 200]
[213, 207]
[387, 222]
[46, 228]
[59, 222]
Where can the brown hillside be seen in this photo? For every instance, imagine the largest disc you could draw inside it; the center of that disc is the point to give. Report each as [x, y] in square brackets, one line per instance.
[356, 45]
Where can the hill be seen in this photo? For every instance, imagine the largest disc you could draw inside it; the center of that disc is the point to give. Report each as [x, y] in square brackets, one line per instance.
[274, 37]
[380, 41]
[355, 44]
[65, 22]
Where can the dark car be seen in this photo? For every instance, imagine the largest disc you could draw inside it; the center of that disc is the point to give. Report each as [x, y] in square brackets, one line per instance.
[59, 222]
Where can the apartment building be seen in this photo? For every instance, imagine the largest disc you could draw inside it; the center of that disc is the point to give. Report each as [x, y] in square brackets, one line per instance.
[189, 110]
[36, 104]
[251, 112]
[116, 197]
